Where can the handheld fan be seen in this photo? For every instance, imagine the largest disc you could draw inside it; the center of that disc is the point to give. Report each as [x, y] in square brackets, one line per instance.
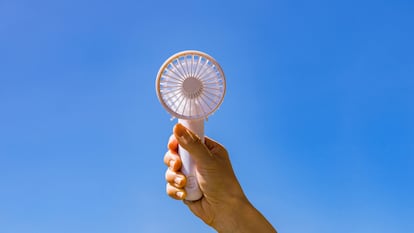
[191, 86]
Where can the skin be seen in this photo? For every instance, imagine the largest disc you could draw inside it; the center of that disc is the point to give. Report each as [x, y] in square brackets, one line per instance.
[224, 205]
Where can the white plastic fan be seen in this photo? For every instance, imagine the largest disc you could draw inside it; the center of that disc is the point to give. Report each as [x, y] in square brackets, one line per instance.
[191, 86]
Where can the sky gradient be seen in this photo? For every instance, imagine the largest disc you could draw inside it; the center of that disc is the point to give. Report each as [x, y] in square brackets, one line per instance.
[318, 116]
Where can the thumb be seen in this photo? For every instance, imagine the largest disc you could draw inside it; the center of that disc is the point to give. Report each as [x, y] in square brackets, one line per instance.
[192, 143]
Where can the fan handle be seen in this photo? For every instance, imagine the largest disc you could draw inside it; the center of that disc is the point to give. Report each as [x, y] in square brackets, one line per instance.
[189, 168]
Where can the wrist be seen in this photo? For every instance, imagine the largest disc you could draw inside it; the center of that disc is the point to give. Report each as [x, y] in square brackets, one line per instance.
[232, 214]
[242, 217]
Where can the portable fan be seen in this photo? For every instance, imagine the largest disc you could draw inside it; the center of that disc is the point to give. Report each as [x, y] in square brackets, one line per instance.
[191, 86]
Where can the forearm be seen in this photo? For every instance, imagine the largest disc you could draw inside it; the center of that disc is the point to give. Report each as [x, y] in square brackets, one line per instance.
[244, 218]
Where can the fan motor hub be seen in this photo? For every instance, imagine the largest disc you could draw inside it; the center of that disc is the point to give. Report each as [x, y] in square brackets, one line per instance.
[192, 87]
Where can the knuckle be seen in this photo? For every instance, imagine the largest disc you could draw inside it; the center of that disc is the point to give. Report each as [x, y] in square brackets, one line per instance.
[166, 175]
[167, 158]
[169, 176]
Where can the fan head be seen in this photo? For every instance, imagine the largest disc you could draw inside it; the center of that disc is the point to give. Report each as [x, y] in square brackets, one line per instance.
[190, 85]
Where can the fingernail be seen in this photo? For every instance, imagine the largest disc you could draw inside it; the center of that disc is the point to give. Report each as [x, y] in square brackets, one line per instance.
[179, 194]
[171, 163]
[178, 180]
[185, 135]
[182, 133]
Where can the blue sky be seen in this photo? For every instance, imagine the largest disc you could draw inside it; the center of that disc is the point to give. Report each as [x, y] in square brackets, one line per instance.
[317, 118]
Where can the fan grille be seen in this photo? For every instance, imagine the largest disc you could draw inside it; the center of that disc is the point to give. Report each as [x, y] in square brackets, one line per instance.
[191, 85]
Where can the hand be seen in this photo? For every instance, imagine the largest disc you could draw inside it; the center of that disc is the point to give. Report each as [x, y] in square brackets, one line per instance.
[223, 204]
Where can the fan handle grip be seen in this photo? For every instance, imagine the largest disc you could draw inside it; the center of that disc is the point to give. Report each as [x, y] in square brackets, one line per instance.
[188, 164]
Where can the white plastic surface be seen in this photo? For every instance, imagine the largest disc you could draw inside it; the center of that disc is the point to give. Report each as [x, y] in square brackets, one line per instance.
[190, 85]
[188, 166]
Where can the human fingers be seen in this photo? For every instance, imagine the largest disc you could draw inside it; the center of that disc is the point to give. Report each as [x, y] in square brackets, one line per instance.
[176, 179]
[175, 193]
[172, 160]
[173, 143]
[192, 143]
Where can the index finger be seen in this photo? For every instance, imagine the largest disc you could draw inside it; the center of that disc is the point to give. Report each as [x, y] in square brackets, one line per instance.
[173, 144]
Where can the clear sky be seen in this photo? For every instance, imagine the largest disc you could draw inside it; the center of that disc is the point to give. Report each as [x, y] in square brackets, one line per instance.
[318, 117]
